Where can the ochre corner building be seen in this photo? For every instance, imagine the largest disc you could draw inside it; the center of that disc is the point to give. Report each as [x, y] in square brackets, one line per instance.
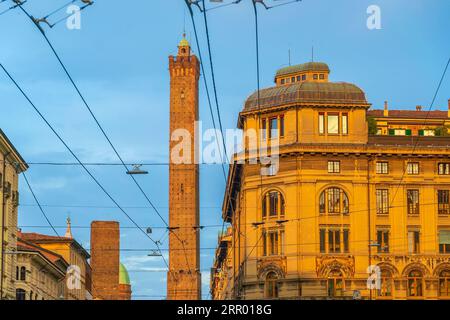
[340, 200]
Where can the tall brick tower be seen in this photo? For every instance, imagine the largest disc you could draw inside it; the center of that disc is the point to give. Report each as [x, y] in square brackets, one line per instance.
[105, 259]
[184, 278]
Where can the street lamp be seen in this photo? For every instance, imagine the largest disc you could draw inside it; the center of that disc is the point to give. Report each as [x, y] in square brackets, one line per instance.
[137, 170]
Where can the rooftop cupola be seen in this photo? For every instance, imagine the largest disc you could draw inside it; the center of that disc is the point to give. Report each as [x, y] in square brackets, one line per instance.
[310, 71]
[184, 48]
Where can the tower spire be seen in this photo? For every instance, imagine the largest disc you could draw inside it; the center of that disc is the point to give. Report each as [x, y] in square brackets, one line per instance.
[69, 229]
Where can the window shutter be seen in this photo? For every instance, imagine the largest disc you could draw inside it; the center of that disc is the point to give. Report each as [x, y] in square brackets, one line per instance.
[444, 237]
[408, 132]
[391, 132]
[421, 132]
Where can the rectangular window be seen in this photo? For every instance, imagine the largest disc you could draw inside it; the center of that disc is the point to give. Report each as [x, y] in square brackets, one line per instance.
[400, 132]
[334, 166]
[344, 123]
[412, 168]
[321, 123]
[304, 77]
[382, 201]
[346, 240]
[383, 241]
[443, 202]
[382, 167]
[264, 128]
[413, 202]
[283, 81]
[334, 241]
[321, 76]
[264, 238]
[273, 243]
[333, 123]
[281, 126]
[315, 77]
[298, 78]
[444, 241]
[444, 168]
[413, 241]
[322, 241]
[293, 79]
[273, 128]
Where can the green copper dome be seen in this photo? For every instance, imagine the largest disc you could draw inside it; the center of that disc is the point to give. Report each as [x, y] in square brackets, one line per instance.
[124, 278]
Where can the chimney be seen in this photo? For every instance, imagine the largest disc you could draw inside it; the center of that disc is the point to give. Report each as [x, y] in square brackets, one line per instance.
[386, 110]
[418, 108]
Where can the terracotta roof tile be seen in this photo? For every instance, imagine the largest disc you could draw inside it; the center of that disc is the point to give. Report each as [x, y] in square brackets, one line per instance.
[435, 114]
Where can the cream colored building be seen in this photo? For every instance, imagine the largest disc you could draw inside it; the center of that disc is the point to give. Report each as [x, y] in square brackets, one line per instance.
[40, 273]
[72, 252]
[11, 165]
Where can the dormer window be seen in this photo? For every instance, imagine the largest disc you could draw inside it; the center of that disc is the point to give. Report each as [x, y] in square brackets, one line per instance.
[315, 76]
[334, 122]
[321, 76]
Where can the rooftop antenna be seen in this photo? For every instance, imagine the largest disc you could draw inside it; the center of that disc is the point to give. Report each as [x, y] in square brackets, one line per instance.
[184, 21]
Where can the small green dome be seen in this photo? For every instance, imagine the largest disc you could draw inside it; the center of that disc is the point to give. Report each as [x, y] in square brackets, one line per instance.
[124, 278]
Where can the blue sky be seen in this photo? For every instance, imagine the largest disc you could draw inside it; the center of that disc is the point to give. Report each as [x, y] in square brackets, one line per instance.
[119, 59]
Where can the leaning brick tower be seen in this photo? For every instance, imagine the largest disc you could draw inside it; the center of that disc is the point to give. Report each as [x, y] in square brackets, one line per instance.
[184, 278]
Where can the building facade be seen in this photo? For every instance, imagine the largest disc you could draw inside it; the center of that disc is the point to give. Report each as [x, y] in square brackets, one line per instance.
[419, 122]
[340, 205]
[11, 165]
[77, 274]
[40, 273]
[184, 278]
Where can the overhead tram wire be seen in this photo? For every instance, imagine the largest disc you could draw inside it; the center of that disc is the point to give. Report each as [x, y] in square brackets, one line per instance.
[11, 8]
[59, 9]
[78, 160]
[70, 15]
[39, 204]
[97, 121]
[191, 13]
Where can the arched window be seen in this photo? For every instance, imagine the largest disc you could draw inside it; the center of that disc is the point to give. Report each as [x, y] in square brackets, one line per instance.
[386, 283]
[20, 294]
[23, 273]
[271, 286]
[415, 283]
[444, 283]
[333, 201]
[273, 205]
[336, 283]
